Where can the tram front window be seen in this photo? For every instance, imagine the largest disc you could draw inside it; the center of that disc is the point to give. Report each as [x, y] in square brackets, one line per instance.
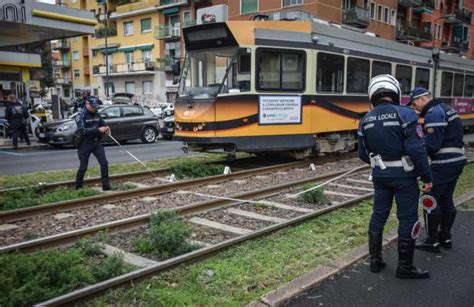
[211, 72]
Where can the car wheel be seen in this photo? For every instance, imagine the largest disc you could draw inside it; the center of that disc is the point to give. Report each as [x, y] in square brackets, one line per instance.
[149, 135]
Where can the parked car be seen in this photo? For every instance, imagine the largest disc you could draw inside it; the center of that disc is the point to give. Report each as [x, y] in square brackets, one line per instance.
[127, 122]
[122, 98]
[167, 130]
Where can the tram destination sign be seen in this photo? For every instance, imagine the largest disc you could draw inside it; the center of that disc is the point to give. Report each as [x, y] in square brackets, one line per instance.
[279, 110]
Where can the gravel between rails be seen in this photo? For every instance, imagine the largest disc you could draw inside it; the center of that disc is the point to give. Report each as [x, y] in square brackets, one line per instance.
[47, 225]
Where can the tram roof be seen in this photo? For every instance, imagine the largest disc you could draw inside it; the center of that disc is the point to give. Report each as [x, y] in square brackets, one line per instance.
[316, 35]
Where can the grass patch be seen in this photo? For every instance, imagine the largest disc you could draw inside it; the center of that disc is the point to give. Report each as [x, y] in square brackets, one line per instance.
[243, 273]
[167, 236]
[315, 196]
[33, 179]
[30, 279]
[194, 169]
[124, 186]
[36, 196]
[468, 205]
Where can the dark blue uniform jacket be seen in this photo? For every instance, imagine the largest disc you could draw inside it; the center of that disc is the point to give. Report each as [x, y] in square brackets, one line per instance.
[15, 113]
[88, 124]
[443, 132]
[392, 131]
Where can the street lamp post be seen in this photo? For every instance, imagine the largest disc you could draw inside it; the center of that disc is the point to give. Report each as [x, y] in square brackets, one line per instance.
[104, 2]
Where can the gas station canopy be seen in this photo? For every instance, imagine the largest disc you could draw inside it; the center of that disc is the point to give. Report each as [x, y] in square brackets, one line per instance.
[27, 21]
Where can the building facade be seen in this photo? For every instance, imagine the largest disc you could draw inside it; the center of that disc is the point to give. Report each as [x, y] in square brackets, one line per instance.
[145, 36]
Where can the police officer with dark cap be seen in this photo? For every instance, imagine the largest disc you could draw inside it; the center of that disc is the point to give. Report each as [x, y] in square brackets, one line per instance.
[91, 129]
[443, 136]
[390, 142]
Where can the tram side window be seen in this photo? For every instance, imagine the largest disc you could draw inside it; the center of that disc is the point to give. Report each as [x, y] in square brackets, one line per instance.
[446, 84]
[422, 78]
[330, 73]
[281, 70]
[403, 75]
[381, 68]
[458, 85]
[358, 71]
[469, 86]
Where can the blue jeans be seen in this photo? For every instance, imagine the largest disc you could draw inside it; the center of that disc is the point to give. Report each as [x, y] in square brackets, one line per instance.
[84, 151]
[406, 194]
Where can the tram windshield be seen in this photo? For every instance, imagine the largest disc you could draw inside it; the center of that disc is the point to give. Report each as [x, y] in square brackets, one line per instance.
[207, 73]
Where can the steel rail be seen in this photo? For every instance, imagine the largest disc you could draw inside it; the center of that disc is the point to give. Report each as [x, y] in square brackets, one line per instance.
[68, 238]
[25, 213]
[198, 255]
[114, 178]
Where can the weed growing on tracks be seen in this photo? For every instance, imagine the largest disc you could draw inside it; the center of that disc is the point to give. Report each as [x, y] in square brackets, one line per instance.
[196, 170]
[315, 196]
[167, 236]
[33, 278]
[34, 196]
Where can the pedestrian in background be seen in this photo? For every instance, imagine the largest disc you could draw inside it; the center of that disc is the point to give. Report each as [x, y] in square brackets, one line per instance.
[443, 137]
[91, 129]
[389, 142]
[17, 116]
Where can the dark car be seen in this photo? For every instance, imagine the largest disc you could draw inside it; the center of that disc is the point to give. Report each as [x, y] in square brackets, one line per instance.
[167, 130]
[127, 122]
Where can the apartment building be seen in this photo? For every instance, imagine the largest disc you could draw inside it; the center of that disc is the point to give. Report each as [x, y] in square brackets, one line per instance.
[145, 36]
[442, 24]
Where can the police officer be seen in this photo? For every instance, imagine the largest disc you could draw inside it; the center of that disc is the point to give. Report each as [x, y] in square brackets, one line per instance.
[443, 136]
[389, 141]
[91, 129]
[16, 114]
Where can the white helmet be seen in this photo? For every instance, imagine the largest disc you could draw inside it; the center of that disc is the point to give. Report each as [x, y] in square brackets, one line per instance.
[384, 86]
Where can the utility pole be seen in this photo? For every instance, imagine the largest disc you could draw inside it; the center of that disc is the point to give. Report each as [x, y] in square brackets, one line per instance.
[106, 11]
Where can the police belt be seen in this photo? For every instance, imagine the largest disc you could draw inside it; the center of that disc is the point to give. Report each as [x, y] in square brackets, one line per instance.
[446, 150]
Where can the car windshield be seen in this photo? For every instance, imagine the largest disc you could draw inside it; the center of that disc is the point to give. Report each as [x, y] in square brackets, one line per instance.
[204, 72]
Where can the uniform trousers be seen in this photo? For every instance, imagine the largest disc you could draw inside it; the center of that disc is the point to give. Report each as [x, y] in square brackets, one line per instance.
[406, 193]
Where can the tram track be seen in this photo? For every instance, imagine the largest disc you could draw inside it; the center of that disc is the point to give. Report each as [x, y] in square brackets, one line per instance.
[221, 205]
[345, 186]
[28, 212]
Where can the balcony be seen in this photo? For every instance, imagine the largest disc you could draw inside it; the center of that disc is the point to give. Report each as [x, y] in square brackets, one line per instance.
[137, 68]
[357, 17]
[165, 64]
[463, 16]
[62, 64]
[415, 34]
[163, 4]
[87, 70]
[455, 46]
[408, 3]
[100, 33]
[123, 2]
[64, 81]
[190, 23]
[85, 51]
[61, 45]
[168, 32]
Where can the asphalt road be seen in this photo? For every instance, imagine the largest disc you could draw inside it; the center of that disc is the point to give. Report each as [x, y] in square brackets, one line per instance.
[46, 159]
[451, 282]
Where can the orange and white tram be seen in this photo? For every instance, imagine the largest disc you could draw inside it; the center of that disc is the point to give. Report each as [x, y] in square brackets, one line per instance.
[297, 87]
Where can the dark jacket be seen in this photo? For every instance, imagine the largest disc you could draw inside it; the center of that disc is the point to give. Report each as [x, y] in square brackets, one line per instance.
[392, 132]
[15, 113]
[88, 124]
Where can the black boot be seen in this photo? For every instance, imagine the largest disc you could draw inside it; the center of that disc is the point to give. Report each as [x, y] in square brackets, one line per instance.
[405, 269]
[375, 249]
[431, 243]
[447, 221]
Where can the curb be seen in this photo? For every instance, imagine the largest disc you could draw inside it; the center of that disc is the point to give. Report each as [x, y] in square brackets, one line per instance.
[280, 296]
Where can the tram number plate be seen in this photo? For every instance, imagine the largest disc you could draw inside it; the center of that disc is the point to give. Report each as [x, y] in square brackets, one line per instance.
[41, 135]
[170, 129]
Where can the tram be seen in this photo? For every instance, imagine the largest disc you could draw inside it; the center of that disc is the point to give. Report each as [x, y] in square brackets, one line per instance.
[297, 87]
